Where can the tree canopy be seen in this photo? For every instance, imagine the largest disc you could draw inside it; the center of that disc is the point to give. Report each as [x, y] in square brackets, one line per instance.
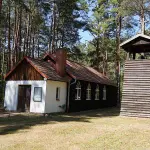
[32, 28]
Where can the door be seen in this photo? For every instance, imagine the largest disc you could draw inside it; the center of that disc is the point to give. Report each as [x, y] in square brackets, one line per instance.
[24, 96]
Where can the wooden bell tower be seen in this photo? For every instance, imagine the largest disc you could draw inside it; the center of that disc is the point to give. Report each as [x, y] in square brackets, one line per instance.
[136, 86]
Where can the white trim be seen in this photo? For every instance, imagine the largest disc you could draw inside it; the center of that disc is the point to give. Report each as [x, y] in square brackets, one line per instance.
[134, 37]
[78, 94]
[88, 92]
[104, 93]
[97, 90]
[35, 97]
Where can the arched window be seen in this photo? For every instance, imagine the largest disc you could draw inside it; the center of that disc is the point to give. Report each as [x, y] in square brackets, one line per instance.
[104, 93]
[88, 92]
[78, 91]
[97, 93]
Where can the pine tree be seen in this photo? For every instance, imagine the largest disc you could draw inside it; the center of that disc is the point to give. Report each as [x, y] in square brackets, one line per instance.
[99, 27]
[138, 8]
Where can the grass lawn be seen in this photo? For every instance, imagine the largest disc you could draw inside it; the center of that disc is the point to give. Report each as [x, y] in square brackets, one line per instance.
[98, 130]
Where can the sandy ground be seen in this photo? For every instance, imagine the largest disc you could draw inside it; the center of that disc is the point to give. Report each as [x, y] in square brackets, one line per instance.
[93, 130]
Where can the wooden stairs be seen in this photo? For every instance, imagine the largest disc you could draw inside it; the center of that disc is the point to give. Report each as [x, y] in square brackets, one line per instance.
[136, 89]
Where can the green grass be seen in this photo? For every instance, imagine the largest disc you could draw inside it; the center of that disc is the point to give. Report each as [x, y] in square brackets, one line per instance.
[96, 130]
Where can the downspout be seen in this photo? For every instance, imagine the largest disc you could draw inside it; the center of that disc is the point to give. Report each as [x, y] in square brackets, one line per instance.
[69, 93]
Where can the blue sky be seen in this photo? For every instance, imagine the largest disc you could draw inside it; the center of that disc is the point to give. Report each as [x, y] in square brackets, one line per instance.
[85, 36]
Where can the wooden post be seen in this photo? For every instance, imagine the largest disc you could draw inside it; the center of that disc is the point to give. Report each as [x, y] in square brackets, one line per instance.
[134, 55]
[128, 56]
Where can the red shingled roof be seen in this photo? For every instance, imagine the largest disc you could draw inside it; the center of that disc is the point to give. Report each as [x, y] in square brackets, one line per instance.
[73, 69]
[46, 68]
[85, 73]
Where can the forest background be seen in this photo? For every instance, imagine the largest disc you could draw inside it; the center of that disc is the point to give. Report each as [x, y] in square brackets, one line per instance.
[35, 27]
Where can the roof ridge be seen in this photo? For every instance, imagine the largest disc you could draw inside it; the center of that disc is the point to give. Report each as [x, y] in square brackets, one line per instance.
[77, 62]
[134, 37]
[99, 72]
[83, 65]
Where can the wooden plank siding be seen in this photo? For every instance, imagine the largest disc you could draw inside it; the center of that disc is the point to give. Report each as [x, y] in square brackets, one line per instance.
[136, 89]
[83, 104]
[24, 71]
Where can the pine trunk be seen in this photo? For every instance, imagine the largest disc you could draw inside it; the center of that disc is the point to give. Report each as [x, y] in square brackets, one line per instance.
[119, 23]
[24, 44]
[38, 48]
[97, 53]
[54, 27]
[0, 5]
[9, 33]
[20, 34]
[142, 18]
[30, 40]
[17, 38]
[0, 37]
[33, 44]
[27, 35]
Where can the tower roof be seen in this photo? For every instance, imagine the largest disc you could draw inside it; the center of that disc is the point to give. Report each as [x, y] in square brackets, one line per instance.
[139, 43]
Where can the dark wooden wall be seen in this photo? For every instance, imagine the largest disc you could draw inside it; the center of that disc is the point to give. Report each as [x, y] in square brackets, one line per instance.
[83, 104]
[24, 71]
[136, 89]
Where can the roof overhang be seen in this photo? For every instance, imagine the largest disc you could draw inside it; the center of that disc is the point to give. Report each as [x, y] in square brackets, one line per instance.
[139, 43]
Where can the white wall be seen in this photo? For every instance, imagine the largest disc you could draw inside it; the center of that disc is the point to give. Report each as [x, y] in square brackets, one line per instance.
[11, 95]
[52, 105]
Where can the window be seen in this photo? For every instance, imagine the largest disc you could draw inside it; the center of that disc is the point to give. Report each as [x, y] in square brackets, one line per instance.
[97, 93]
[58, 93]
[104, 93]
[78, 91]
[37, 94]
[88, 92]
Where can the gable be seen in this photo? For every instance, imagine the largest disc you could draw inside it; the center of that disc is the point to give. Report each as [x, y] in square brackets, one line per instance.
[24, 71]
[135, 38]
[139, 43]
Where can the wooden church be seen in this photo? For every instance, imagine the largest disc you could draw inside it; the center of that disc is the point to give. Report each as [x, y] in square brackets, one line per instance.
[136, 86]
[55, 84]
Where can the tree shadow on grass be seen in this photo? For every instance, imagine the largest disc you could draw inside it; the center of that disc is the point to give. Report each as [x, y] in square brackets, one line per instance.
[16, 122]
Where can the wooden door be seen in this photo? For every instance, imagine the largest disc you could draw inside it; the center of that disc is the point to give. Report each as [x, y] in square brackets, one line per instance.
[24, 96]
